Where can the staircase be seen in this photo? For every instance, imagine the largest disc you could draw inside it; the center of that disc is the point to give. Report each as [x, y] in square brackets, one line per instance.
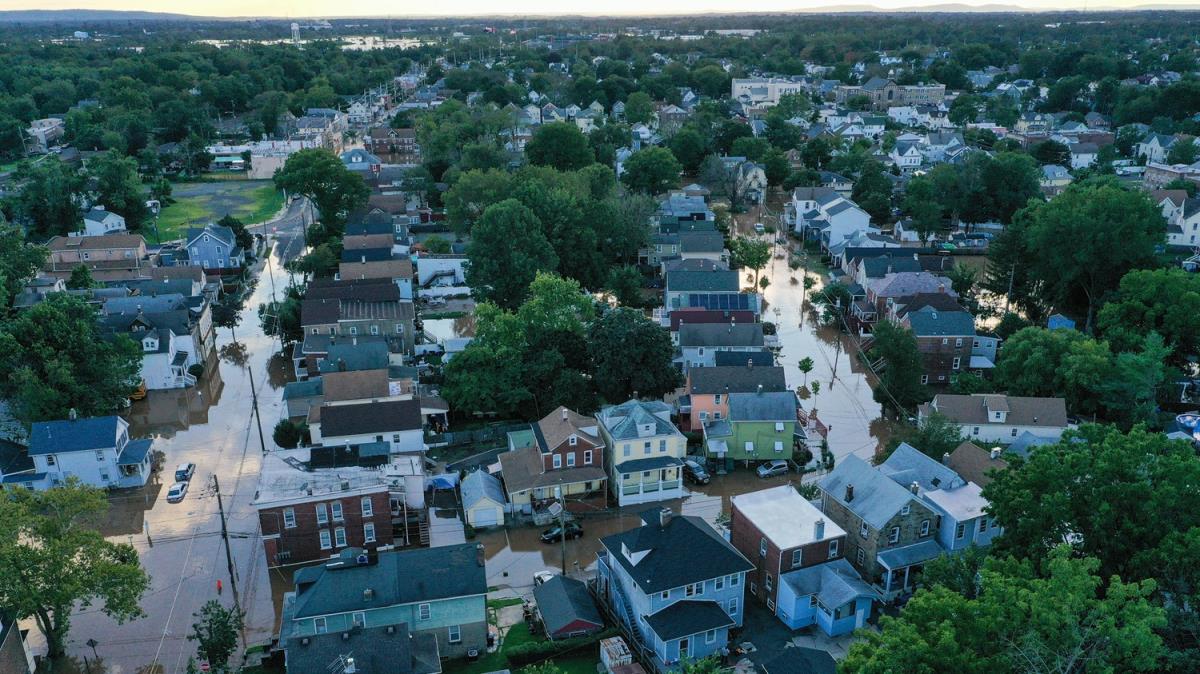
[423, 531]
[441, 273]
[629, 615]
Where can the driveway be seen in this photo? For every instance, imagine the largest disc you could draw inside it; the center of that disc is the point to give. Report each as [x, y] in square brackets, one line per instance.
[770, 636]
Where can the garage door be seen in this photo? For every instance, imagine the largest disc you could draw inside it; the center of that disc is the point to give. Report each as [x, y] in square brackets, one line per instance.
[486, 517]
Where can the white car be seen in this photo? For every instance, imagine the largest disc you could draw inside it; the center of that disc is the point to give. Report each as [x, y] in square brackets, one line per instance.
[542, 576]
[773, 468]
[177, 491]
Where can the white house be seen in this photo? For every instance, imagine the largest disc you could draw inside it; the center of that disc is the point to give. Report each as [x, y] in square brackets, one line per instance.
[96, 450]
[1083, 155]
[399, 423]
[998, 418]
[822, 214]
[98, 221]
[906, 156]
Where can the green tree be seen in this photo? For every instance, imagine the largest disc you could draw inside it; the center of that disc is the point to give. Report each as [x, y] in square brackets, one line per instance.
[1165, 301]
[750, 254]
[900, 382]
[816, 153]
[651, 170]
[639, 108]
[1183, 152]
[19, 262]
[334, 189]
[625, 283]
[560, 145]
[242, 235]
[507, 250]
[53, 560]
[81, 279]
[119, 188]
[689, 147]
[959, 572]
[472, 193]
[47, 201]
[632, 356]
[216, 633]
[281, 318]
[776, 167]
[53, 359]
[436, 245]
[287, 434]
[805, 365]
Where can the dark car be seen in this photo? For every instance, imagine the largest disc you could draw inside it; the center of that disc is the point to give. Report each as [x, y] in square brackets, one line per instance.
[695, 473]
[555, 533]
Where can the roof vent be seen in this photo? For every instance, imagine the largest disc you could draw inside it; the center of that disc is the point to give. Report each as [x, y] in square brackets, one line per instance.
[995, 453]
[946, 457]
[368, 594]
[915, 487]
[849, 493]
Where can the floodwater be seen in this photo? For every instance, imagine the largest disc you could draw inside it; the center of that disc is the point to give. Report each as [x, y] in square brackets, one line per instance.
[439, 329]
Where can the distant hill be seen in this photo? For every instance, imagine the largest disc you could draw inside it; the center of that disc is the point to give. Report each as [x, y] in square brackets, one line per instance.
[87, 16]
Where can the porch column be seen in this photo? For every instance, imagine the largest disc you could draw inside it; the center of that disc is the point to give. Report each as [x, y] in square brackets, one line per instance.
[906, 570]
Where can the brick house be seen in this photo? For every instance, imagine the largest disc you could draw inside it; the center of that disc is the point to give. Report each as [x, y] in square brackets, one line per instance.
[561, 454]
[945, 340]
[779, 531]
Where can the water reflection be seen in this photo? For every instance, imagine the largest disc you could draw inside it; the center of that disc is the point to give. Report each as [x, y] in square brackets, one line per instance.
[162, 414]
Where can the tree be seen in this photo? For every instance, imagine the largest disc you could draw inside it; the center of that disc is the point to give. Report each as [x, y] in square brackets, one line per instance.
[472, 193]
[935, 436]
[625, 283]
[1183, 184]
[242, 235]
[651, 170]
[287, 434]
[639, 108]
[751, 254]
[716, 176]
[1051, 152]
[689, 147]
[334, 189]
[436, 245]
[48, 199]
[1164, 301]
[873, 191]
[53, 359]
[964, 109]
[507, 250]
[119, 188]
[281, 318]
[816, 153]
[1111, 230]
[1182, 152]
[632, 355]
[776, 166]
[53, 560]
[560, 145]
[958, 572]
[216, 633]
[805, 365]
[900, 382]
[19, 262]
[81, 279]
[1052, 617]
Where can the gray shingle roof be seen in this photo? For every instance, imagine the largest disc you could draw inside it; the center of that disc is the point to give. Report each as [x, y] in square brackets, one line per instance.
[65, 435]
[907, 464]
[375, 650]
[563, 601]
[929, 322]
[622, 420]
[479, 485]
[736, 379]
[716, 334]
[835, 583]
[772, 406]
[702, 281]
[876, 497]
[685, 551]
[898, 558]
[386, 416]
[688, 617]
[971, 409]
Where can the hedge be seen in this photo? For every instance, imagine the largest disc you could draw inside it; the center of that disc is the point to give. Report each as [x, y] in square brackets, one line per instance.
[536, 651]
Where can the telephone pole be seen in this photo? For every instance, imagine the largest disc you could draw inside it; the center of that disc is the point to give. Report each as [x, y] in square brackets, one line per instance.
[262, 443]
[225, 537]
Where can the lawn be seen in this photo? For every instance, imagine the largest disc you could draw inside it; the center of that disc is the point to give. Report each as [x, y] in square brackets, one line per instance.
[196, 204]
[492, 662]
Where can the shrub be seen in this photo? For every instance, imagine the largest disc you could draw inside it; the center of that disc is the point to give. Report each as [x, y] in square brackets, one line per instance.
[287, 434]
[524, 654]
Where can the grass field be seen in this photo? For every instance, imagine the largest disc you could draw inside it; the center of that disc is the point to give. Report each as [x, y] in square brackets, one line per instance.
[196, 204]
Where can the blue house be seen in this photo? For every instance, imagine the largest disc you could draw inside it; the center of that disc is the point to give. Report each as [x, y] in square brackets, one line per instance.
[676, 583]
[214, 248]
[832, 596]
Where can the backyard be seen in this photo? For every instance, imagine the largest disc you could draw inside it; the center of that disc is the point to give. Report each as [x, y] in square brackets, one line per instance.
[196, 204]
[581, 661]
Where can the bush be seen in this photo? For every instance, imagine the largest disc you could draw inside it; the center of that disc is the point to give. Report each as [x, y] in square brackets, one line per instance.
[196, 370]
[288, 434]
[524, 654]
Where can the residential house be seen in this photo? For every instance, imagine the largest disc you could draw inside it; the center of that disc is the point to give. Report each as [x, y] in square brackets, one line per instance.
[110, 257]
[360, 161]
[352, 307]
[700, 342]
[681, 283]
[15, 656]
[676, 583]
[708, 389]
[559, 459]
[96, 450]
[976, 464]
[998, 418]
[393, 146]
[365, 650]
[645, 452]
[1154, 147]
[1083, 155]
[760, 426]
[1054, 179]
[820, 213]
[214, 249]
[98, 222]
[399, 423]
[906, 156]
[832, 596]
[439, 591]
[483, 499]
[945, 340]
[43, 134]
[566, 608]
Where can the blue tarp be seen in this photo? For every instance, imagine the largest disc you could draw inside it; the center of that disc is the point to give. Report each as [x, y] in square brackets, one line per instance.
[443, 481]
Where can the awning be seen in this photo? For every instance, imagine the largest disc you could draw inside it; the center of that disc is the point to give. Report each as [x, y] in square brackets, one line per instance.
[134, 453]
[899, 558]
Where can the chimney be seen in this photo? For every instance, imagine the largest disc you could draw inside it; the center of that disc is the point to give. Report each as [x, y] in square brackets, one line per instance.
[915, 487]
[818, 530]
[72, 415]
[664, 517]
[760, 389]
[750, 362]
[849, 493]
[364, 259]
[942, 288]
[564, 414]
[946, 458]
[916, 257]
[479, 557]
[995, 453]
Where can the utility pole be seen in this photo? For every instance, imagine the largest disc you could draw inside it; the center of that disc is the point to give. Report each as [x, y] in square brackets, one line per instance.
[225, 537]
[262, 443]
[1011, 276]
[562, 527]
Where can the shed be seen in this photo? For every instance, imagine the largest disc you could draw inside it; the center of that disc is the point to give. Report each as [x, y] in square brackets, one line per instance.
[567, 608]
[483, 499]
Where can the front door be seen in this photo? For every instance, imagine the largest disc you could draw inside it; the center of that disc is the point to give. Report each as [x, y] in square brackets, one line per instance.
[860, 618]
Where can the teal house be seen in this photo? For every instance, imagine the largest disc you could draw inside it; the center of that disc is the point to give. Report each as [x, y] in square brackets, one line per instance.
[440, 592]
[761, 426]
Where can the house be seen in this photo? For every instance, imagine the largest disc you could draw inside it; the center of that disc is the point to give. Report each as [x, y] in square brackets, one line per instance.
[676, 583]
[906, 156]
[561, 458]
[15, 656]
[98, 222]
[681, 283]
[782, 532]
[832, 596]
[214, 249]
[890, 530]
[483, 499]
[566, 608]
[760, 426]
[976, 464]
[699, 342]
[437, 591]
[1154, 147]
[822, 214]
[645, 452]
[360, 160]
[110, 257]
[313, 503]
[708, 389]
[365, 650]
[1083, 155]
[945, 340]
[353, 307]
[398, 423]
[1054, 179]
[44, 134]
[998, 418]
[96, 450]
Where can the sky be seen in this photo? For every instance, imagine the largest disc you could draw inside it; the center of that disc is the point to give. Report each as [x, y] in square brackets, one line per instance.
[383, 8]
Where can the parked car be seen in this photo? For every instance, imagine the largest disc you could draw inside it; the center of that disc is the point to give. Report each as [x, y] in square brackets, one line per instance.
[759, 228]
[177, 491]
[773, 468]
[555, 533]
[185, 471]
[695, 473]
[542, 576]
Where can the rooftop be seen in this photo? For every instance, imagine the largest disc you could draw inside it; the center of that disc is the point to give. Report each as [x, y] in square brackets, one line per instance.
[785, 517]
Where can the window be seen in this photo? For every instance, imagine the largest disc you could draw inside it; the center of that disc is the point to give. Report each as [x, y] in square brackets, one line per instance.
[975, 431]
[353, 330]
[662, 446]
[646, 447]
[861, 556]
[719, 583]
[945, 341]
[396, 438]
[369, 532]
[704, 416]
[374, 329]
[625, 449]
[750, 447]
[423, 612]
[717, 399]
[812, 601]
[960, 530]
[1014, 432]
[454, 634]
[958, 341]
[733, 606]
[573, 440]
[570, 459]
[797, 556]
[558, 461]
[325, 541]
[762, 547]
[322, 514]
[50, 460]
[319, 626]
[399, 328]
[368, 508]
[833, 548]
[924, 528]
[924, 379]
[289, 518]
[685, 648]
[957, 363]
[982, 524]
[894, 535]
[339, 537]
[99, 454]
[717, 416]
[665, 595]
[710, 636]
[862, 530]
[770, 584]
[734, 580]
[336, 506]
[359, 619]
[905, 510]
[587, 458]
[693, 589]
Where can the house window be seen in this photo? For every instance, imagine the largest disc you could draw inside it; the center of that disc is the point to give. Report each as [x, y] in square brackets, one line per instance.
[685, 648]
[573, 440]
[558, 461]
[778, 426]
[625, 449]
[770, 584]
[958, 341]
[717, 399]
[646, 447]
[861, 556]
[662, 446]
[833, 548]
[336, 506]
[399, 328]
[454, 633]
[924, 528]
[905, 510]
[289, 518]
[750, 447]
[717, 416]
[369, 532]
[326, 543]
[339, 537]
[1014, 432]
[945, 341]
[99, 454]
[396, 438]
[693, 589]
[975, 431]
[587, 458]
[423, 612]
[319, 626]
[368, 508]
[924, 379]
[704, 416]
[778, 446]
[960, 530]
[762, 547]
[982, 524]
[734, 580]
[322, 514]
[894, 536]
[862, 530]
[50, 460]
[374, 329]
[733, 606]
[797, 556]
[353, 330]
[359, 619]
[710, 636]
[957, 363]
[665, 595]
[812, 601]
[719, 583]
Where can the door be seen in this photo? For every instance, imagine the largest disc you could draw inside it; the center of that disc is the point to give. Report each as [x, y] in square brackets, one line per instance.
[860, 617]
[486, 517]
